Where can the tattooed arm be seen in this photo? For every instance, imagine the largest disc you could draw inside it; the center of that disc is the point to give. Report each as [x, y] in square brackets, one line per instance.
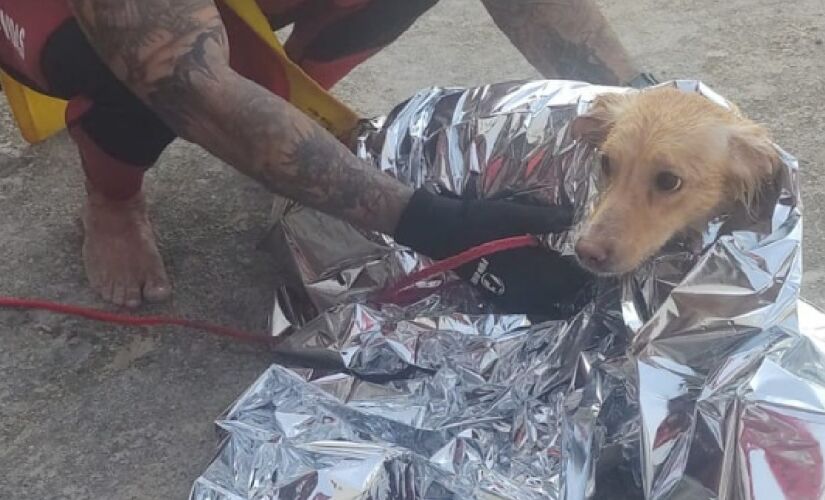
[174, 55]
[564, 39]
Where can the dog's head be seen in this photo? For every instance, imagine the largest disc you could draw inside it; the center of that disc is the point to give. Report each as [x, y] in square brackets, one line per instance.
[671, 160]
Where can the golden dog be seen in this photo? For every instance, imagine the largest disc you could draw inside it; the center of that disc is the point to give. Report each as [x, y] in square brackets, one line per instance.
[671, 161]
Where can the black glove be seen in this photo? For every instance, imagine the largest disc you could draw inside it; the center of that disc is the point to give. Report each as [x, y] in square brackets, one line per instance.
[526, 280]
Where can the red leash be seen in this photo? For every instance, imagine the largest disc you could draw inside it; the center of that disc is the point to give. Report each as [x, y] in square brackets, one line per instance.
[395, 292]
[130, 320]
[391, 294]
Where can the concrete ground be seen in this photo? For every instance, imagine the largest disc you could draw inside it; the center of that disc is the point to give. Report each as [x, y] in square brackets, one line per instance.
[92, 411]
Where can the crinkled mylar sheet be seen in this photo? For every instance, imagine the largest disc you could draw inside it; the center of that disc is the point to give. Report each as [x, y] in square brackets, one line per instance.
[701, 375]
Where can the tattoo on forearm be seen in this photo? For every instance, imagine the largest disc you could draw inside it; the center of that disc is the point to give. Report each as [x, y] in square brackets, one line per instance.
[322, 172]
[304, 162]
[174, 55]
[564, 39]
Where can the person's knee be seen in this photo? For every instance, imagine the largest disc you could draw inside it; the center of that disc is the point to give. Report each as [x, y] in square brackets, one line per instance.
[375, 26]
[116, 120]
[70, 64]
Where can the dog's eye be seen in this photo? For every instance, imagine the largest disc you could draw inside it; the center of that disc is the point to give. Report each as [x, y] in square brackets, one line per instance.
[667, 181]
[606, 166]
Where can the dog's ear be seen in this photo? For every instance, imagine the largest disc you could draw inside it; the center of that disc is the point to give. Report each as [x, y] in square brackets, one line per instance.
[753, 160]
[594, 126]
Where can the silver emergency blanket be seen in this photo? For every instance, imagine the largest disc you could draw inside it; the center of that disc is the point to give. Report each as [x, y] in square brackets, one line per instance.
[700, 376]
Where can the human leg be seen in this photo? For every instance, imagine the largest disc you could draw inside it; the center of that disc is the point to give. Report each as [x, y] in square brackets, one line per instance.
[116, 136]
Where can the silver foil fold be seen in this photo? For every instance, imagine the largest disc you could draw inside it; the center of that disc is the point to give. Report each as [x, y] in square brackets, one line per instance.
[699, 376]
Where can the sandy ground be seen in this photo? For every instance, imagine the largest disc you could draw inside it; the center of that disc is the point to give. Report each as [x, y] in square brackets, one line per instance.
[91, 411]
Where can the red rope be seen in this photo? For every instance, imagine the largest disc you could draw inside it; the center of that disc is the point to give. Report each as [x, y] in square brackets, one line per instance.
[394, 293]
[130, 320]
[391, 294]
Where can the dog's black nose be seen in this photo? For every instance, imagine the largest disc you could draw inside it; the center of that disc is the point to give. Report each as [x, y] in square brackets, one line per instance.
[592, 254]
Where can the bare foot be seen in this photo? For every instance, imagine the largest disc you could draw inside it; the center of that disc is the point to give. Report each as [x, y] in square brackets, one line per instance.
[119, 250]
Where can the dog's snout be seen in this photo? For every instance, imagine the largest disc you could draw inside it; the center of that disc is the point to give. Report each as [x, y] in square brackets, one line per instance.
[594, 255]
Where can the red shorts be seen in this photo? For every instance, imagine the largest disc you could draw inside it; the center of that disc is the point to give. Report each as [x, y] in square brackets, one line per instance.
[42, 45]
